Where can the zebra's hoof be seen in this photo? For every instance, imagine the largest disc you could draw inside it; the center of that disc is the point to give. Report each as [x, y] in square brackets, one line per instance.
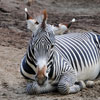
[82, 85]
[89, 84]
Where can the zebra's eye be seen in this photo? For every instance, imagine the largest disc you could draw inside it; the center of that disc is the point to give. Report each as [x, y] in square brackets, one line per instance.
[46, 71]
[52, 46]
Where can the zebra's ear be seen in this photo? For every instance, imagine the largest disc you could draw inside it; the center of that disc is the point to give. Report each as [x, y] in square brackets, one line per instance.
[43, 25]
[61, 28]
[31, 23]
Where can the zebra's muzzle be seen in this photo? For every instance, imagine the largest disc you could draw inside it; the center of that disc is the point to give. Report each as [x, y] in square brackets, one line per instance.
[41, 81]
[41, 76]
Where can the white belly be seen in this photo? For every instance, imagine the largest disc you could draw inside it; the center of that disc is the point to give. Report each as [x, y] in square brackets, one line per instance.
[89, 73]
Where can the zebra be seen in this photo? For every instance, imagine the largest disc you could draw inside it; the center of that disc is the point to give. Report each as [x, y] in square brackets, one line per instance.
[65, 63]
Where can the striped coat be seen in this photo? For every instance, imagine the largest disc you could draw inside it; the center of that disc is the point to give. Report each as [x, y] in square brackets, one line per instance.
[76, 57]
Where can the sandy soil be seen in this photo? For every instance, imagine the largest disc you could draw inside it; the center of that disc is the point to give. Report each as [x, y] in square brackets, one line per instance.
[14, 39]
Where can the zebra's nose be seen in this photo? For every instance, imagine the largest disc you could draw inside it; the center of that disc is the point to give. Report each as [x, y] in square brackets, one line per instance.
[41, 75]
[41, 81]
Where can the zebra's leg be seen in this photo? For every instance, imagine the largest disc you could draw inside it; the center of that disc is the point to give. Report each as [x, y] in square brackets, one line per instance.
[67, 84]
[67, 89]
[77, 87]
[80, 85]
[34, 88]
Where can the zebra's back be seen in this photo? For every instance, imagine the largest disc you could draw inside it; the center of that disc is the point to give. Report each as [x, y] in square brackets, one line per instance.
[82, 50]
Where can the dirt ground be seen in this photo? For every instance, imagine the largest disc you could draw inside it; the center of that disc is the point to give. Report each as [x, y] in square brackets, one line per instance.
[14, 38]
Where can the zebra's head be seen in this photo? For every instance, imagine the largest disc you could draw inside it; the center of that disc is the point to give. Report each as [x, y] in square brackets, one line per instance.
[43, 41]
